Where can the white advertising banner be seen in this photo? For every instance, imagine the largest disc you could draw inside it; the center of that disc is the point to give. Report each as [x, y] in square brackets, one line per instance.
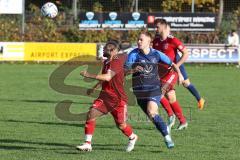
[12, 51]
[11, 6]
[203, 53]
[213, 53]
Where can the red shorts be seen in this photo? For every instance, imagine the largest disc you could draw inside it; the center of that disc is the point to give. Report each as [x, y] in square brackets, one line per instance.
[118, 111]
[169, 81]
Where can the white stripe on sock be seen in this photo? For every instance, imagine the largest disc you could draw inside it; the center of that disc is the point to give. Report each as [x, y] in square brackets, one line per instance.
[132, 136]
[88, 137]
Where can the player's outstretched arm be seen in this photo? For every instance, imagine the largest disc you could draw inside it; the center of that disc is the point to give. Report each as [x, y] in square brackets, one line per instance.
[96, 86]
[184, 57]
[102, 77]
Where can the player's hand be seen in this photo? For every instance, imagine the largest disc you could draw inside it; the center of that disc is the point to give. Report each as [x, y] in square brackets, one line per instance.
[180, 79]
[90, 91]
[164, 88]
[84, 73]
[138, 69]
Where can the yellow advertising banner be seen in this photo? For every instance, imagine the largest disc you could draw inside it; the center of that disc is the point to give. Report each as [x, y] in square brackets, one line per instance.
[36, 51]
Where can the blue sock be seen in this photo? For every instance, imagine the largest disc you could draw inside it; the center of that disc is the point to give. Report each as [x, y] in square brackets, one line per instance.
[194, 91]
[160, 125]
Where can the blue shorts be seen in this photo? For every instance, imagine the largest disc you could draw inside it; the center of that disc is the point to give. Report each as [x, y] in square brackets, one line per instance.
[143, 102]
[182, 68]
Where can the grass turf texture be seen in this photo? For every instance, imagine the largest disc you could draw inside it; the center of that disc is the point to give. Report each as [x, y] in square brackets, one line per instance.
[31, 130]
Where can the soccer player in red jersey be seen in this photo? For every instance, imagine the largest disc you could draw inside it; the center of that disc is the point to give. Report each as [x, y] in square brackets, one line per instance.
[169, 45]
[179, 61]
[112, 98]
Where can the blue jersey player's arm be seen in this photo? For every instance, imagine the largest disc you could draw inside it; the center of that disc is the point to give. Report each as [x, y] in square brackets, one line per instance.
[130, 63]
[163, 58]
[131, 59]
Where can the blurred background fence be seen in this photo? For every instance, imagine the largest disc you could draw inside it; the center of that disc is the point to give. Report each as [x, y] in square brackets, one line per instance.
[65, 28]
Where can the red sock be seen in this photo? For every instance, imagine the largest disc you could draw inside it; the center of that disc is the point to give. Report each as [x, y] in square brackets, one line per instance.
[90, 126]
[178, 112]
[166, 105]
[127, 130]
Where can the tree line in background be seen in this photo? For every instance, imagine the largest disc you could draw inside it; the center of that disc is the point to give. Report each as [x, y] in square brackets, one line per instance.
[38, 28]
[144, 5]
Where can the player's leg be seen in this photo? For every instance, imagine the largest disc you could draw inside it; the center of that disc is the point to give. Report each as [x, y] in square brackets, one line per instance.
[171, 116]
[152, 110]
[177, 109]
[191, 88]
[120, 116]
[165, 103]
[90, 124]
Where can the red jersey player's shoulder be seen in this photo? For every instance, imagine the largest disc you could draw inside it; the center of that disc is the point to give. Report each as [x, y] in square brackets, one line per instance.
[171, 36]
[117, 62]
[120, 57]
[174, 39]
[176, 42]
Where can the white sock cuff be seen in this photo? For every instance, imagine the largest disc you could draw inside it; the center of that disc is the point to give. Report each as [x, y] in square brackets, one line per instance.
[132, 136]
[168, 138]
[88, 137]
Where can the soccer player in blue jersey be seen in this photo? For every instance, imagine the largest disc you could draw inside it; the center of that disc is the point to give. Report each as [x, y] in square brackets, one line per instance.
[143, 64]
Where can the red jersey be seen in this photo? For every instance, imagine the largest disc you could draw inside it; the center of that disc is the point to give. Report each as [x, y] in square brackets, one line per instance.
[113, 90]
[169, 46]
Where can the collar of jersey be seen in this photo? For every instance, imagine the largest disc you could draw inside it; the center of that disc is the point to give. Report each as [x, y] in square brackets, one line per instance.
[150, 52]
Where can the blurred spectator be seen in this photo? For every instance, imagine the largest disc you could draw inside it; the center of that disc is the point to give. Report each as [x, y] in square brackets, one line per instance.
[233, 39]
[1, 50]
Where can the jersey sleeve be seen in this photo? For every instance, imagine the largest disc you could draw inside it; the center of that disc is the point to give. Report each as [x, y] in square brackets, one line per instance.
[164, 59]
[178, 44]
[131, 59]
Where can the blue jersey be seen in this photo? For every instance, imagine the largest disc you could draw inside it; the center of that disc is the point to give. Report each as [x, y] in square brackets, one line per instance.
[146, 83]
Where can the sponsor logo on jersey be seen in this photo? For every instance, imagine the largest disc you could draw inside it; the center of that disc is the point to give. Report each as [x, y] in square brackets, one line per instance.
[115, 57]
[148, 69]
[165, 46]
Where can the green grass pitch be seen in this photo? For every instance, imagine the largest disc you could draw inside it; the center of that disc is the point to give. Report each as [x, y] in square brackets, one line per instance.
[29, 128]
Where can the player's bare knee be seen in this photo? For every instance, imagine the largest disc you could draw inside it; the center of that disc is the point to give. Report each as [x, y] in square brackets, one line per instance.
[186, 83]
[89, 116]
[171, 96]
[121, 126]
[152, 113]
